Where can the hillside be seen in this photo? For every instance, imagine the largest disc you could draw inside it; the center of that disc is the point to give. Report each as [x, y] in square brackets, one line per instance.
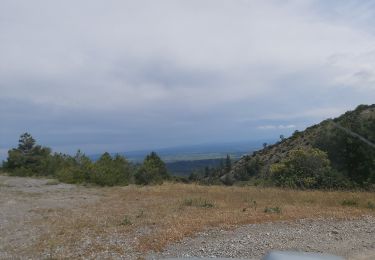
[347, 140]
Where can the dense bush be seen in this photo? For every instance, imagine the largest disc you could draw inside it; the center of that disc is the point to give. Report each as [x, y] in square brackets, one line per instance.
[252, 168]
[153, 170]
[305, 168]
[108, 171]
[28, 158]
[76, 169]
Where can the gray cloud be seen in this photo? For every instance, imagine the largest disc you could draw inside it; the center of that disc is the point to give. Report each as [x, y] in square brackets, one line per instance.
[120, 75]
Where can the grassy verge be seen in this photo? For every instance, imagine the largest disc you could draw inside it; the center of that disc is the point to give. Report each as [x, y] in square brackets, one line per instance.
[154, 216]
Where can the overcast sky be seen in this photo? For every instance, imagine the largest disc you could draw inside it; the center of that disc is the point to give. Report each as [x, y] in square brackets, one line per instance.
[128, 75]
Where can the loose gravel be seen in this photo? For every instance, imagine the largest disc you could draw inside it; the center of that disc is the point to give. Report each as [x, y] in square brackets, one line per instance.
[352, 239]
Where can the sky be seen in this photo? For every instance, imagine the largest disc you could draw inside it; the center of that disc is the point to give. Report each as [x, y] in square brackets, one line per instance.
[121, 75]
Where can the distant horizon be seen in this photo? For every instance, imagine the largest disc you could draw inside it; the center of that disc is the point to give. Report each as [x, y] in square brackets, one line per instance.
[183, 149]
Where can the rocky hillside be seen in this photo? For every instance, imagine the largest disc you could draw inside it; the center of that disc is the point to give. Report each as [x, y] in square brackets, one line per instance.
[348, 141]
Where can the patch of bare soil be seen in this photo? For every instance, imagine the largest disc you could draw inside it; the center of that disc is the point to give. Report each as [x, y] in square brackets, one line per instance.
[25, 206]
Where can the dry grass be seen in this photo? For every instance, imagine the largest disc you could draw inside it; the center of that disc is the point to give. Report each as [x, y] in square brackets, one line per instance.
[148, 218]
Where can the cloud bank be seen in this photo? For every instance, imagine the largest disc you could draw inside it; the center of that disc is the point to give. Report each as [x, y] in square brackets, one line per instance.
[124, 75]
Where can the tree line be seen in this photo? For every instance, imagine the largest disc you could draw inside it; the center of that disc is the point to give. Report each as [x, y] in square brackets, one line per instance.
[214, 175]
[31, 159]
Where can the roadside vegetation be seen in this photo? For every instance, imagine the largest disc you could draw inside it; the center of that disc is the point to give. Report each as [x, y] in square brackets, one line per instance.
[76, 221]
[159, 215]
[31, 159]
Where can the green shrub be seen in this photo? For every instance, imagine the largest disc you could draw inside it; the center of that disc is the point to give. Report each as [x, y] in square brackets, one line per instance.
[152, 171]
[126, 221]
[307, 168]
[108, 171]
[72, 175]
[198, 202]
[77, 169]
[370, 205]
[272, 210]
[353, 202]
[28, 158]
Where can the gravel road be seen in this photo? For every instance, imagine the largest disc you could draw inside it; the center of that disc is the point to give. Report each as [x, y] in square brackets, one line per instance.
[352, 239]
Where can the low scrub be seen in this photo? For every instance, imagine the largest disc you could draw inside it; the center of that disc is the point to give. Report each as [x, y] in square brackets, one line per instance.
[126, 221]
[371, 205]
[272, 210]
[162, 214]
[353, 202]
[198, 202]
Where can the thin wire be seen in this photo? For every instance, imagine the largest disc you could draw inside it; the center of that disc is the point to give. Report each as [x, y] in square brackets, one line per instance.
[353, 134]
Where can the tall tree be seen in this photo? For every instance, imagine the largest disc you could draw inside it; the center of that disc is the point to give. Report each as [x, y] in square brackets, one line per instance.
[153, 170]
[28, 158]
[26, 143]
